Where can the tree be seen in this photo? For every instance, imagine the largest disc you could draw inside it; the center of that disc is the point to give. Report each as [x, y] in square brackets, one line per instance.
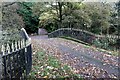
[100, 16]
[12, 22]
[91, 17]
[31, 20]
[118, 16]
[60, 4]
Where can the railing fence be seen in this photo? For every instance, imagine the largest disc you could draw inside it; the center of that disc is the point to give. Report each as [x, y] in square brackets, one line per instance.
[16, 59]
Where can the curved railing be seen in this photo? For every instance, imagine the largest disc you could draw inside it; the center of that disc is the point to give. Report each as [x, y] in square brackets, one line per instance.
[82, 35]
[16, 59]
[78, 34]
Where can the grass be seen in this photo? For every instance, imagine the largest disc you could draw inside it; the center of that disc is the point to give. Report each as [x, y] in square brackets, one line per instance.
[73, 39]
[48, 67]
[86, 45]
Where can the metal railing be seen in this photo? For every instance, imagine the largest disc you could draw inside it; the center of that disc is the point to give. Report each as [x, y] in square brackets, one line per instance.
[16, 59]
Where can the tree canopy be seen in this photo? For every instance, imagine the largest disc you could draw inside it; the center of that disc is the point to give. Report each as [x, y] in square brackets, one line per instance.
[94, 17]
[98, 18]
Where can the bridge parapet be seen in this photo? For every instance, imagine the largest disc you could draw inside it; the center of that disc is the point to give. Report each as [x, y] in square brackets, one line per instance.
[86, 36]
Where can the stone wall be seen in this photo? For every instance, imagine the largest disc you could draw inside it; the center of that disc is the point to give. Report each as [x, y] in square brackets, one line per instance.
[106, 41]
[74, 33]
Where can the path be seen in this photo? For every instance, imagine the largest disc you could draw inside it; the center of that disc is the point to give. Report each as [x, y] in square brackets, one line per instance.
[85, 61]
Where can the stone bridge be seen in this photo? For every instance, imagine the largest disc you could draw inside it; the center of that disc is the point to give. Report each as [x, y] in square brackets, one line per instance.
[86, 60]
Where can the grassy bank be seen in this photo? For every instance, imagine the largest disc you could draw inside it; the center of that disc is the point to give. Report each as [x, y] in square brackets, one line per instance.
[48, 67]
[115, 53]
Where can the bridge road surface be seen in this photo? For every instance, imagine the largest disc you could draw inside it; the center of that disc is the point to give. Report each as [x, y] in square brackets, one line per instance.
[86, 61]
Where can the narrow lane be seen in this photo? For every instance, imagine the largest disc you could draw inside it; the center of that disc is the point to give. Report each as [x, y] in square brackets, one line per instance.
[110, 69]
[85, 60]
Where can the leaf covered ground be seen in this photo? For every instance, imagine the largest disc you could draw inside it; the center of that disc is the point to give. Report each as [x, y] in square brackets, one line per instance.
[85, 61]
[47, 66]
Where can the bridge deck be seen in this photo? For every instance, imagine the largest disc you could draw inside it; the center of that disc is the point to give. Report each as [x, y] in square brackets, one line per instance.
[85, 60]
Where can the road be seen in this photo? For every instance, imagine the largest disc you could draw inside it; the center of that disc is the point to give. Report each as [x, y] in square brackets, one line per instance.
[86, 61]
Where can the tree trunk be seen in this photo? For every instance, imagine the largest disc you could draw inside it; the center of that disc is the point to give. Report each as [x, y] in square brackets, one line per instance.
[60, 11]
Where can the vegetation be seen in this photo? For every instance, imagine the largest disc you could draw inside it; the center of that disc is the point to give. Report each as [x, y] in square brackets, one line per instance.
[31, 21]
[47, 66]
[54, 15]
[73, 39]
[11, 22]
[76, 15]
[98, 43]
[98, 18]
[117, 16]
